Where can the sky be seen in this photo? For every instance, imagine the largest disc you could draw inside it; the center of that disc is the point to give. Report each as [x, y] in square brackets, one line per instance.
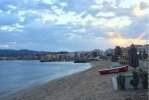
[73, 25]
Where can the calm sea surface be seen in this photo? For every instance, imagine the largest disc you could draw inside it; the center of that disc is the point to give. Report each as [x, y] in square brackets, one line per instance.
[17, 75]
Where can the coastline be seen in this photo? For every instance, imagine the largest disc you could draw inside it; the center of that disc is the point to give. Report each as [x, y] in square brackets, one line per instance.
[62, 69]
[84, 85]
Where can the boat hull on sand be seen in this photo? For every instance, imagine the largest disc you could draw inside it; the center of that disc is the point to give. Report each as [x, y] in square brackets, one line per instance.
[113, 70]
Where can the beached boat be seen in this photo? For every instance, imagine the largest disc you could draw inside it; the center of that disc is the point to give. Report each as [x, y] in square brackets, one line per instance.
[113, 70]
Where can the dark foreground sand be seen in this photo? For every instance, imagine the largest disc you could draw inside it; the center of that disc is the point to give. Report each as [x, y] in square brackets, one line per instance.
[85, 85]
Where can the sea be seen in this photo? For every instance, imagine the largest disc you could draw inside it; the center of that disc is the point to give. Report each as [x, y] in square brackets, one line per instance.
[16, 75]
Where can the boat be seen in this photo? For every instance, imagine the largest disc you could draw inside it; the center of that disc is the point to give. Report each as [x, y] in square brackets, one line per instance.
[114, 70]
[80, 61]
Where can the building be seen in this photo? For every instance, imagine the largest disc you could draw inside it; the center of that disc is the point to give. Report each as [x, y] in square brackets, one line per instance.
[98, 52]
[143, 48]
[109, 52]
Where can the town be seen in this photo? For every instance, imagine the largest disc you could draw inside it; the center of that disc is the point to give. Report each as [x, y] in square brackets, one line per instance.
[82, 56]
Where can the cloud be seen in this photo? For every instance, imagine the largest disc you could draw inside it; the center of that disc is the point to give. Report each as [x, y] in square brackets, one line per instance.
[115, 23]
[15, 27]
[8, 19]
[138, 26]
[3, 46]
[137, 11]
[7, 45]
[117, 39]
[72, 25]
[106, 14]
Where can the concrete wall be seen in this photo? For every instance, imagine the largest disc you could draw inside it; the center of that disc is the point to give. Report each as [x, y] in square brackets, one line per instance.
[143, 64]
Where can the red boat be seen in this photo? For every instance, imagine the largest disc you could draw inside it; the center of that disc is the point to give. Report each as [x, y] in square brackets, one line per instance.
[113, 70]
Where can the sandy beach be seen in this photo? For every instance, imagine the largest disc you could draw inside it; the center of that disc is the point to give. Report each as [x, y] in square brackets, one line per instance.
[85, 85]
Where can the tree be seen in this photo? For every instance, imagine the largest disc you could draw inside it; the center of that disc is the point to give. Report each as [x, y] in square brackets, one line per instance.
[144, 54]
[140, 54]
[117, 51]
[114, 58]
[133, 58]
[121, 81]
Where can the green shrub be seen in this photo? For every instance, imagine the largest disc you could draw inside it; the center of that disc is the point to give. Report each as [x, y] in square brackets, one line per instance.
[135, 79]
[140, 72]
[121, 82]
[140, 76]
[144, 79]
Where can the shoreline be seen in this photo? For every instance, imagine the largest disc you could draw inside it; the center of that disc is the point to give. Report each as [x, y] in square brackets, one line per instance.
[84, 85]
[51, 82]
[48, 80]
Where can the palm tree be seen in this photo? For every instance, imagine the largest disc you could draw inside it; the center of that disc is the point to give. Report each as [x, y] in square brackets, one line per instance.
[133, 57]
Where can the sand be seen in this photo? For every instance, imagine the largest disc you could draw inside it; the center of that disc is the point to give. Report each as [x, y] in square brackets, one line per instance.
[85, 85]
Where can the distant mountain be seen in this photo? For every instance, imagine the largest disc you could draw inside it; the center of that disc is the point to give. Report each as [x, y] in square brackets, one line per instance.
[9, 52]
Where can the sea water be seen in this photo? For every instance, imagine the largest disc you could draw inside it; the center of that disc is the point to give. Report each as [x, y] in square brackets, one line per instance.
[20, 74]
